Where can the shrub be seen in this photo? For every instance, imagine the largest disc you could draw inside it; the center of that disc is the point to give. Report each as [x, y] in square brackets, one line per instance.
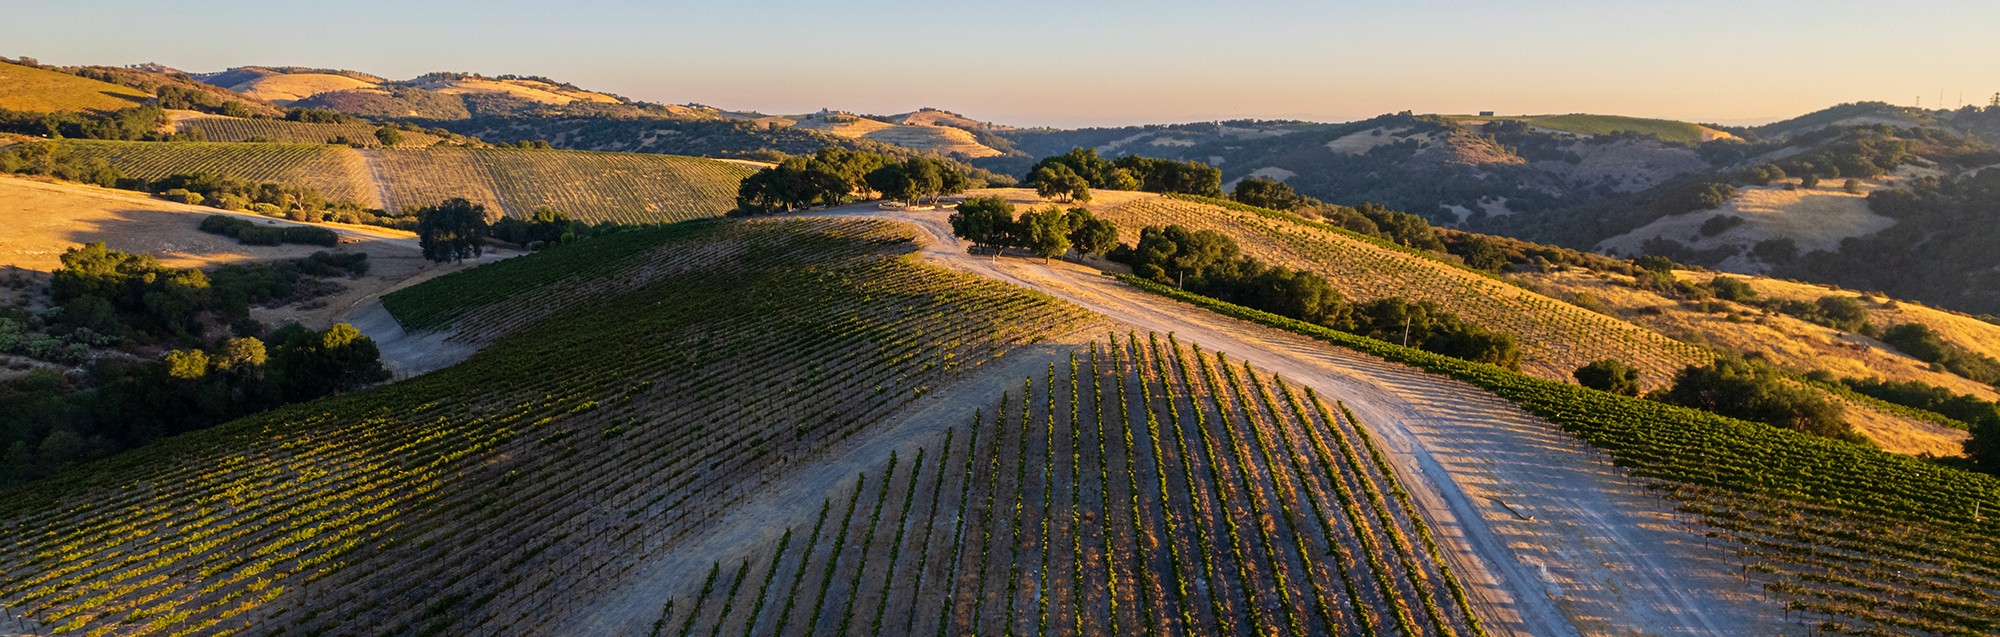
[1742, 389]
[1609, 375]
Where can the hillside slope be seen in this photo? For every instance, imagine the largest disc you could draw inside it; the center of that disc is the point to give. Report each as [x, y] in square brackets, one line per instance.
[36, 90]
[918, 132]
[1556, 337]
[447, 503]
[1769, 512]
[589, 186]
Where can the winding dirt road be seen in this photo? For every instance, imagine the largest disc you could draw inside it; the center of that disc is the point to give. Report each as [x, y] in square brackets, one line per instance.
[1552, 538]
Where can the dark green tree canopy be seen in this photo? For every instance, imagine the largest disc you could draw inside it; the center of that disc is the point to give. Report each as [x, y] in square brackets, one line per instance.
[1609, 375]
[1044, 232]
[1058, 181]
[1090, 235]
[1173, 177]
[1265, 192]
[1750, 391]
[988, 222]
[454, 230]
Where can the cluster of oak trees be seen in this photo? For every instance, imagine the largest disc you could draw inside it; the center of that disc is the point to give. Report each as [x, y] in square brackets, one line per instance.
[1047, 232]
[836, 175]
[1070, 176]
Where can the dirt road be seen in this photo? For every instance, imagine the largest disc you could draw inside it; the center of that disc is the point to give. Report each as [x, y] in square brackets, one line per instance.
[790, 500]
[1553, 539]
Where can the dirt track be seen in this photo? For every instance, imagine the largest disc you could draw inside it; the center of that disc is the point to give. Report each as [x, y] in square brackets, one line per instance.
[755, 523]
[1553, 539]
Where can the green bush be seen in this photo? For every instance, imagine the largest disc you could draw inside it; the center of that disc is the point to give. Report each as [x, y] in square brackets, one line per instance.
[1609, 375]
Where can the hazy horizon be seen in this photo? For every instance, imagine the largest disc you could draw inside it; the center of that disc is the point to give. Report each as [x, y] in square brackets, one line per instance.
[1050, 64]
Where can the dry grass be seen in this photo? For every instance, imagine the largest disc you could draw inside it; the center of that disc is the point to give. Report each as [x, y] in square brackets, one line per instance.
[538, 92]
[1785, 341]
[1363, 141]
[45, 219]
[290, 87]
[941, 139]
[43, 91]
[1959, 329]
[1816, 218]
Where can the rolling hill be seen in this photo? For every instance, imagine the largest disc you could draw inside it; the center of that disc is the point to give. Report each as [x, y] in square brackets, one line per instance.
[287, 85]
[36, 90]
[1585, 124]
[218, 128]
[398, 474]
[593, 187]
[338, 172]
[918, 133]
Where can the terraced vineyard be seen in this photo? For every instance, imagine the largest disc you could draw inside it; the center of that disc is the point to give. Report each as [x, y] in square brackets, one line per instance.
[484, 498]
[1556, 337]
[592, 186]
[237, 129]
[337, 172]
[1144, 487]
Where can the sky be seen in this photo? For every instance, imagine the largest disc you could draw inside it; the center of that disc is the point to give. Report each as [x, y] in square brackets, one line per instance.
[1094, 62]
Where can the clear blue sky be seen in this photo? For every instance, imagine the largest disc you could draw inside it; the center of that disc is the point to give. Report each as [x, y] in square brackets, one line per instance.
[1085, 62]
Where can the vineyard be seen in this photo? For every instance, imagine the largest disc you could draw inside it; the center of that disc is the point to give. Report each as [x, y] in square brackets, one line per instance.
[1141, 487]
[237, 129]
[591, 186]
[1854, 540]
[1556, 337]
[488, 497]
[338, 172]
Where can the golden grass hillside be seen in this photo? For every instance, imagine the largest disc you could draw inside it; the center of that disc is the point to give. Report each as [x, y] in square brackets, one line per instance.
[285, 88]
[1783, 340]
[923, 137]
[44, 219]
[1958, 328]
[530, 90]
[43, 91]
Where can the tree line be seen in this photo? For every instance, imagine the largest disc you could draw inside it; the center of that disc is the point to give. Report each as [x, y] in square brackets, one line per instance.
[836, 176]
[1070, 176]
[218, 364]
[1048, 232]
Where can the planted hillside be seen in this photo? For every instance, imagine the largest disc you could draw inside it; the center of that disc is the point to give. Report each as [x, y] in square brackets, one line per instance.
[234, 129]
[1144, 487]
[487, 497]
[1555, 337]
[592, 187]
[336, 172]
[1856, 540]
